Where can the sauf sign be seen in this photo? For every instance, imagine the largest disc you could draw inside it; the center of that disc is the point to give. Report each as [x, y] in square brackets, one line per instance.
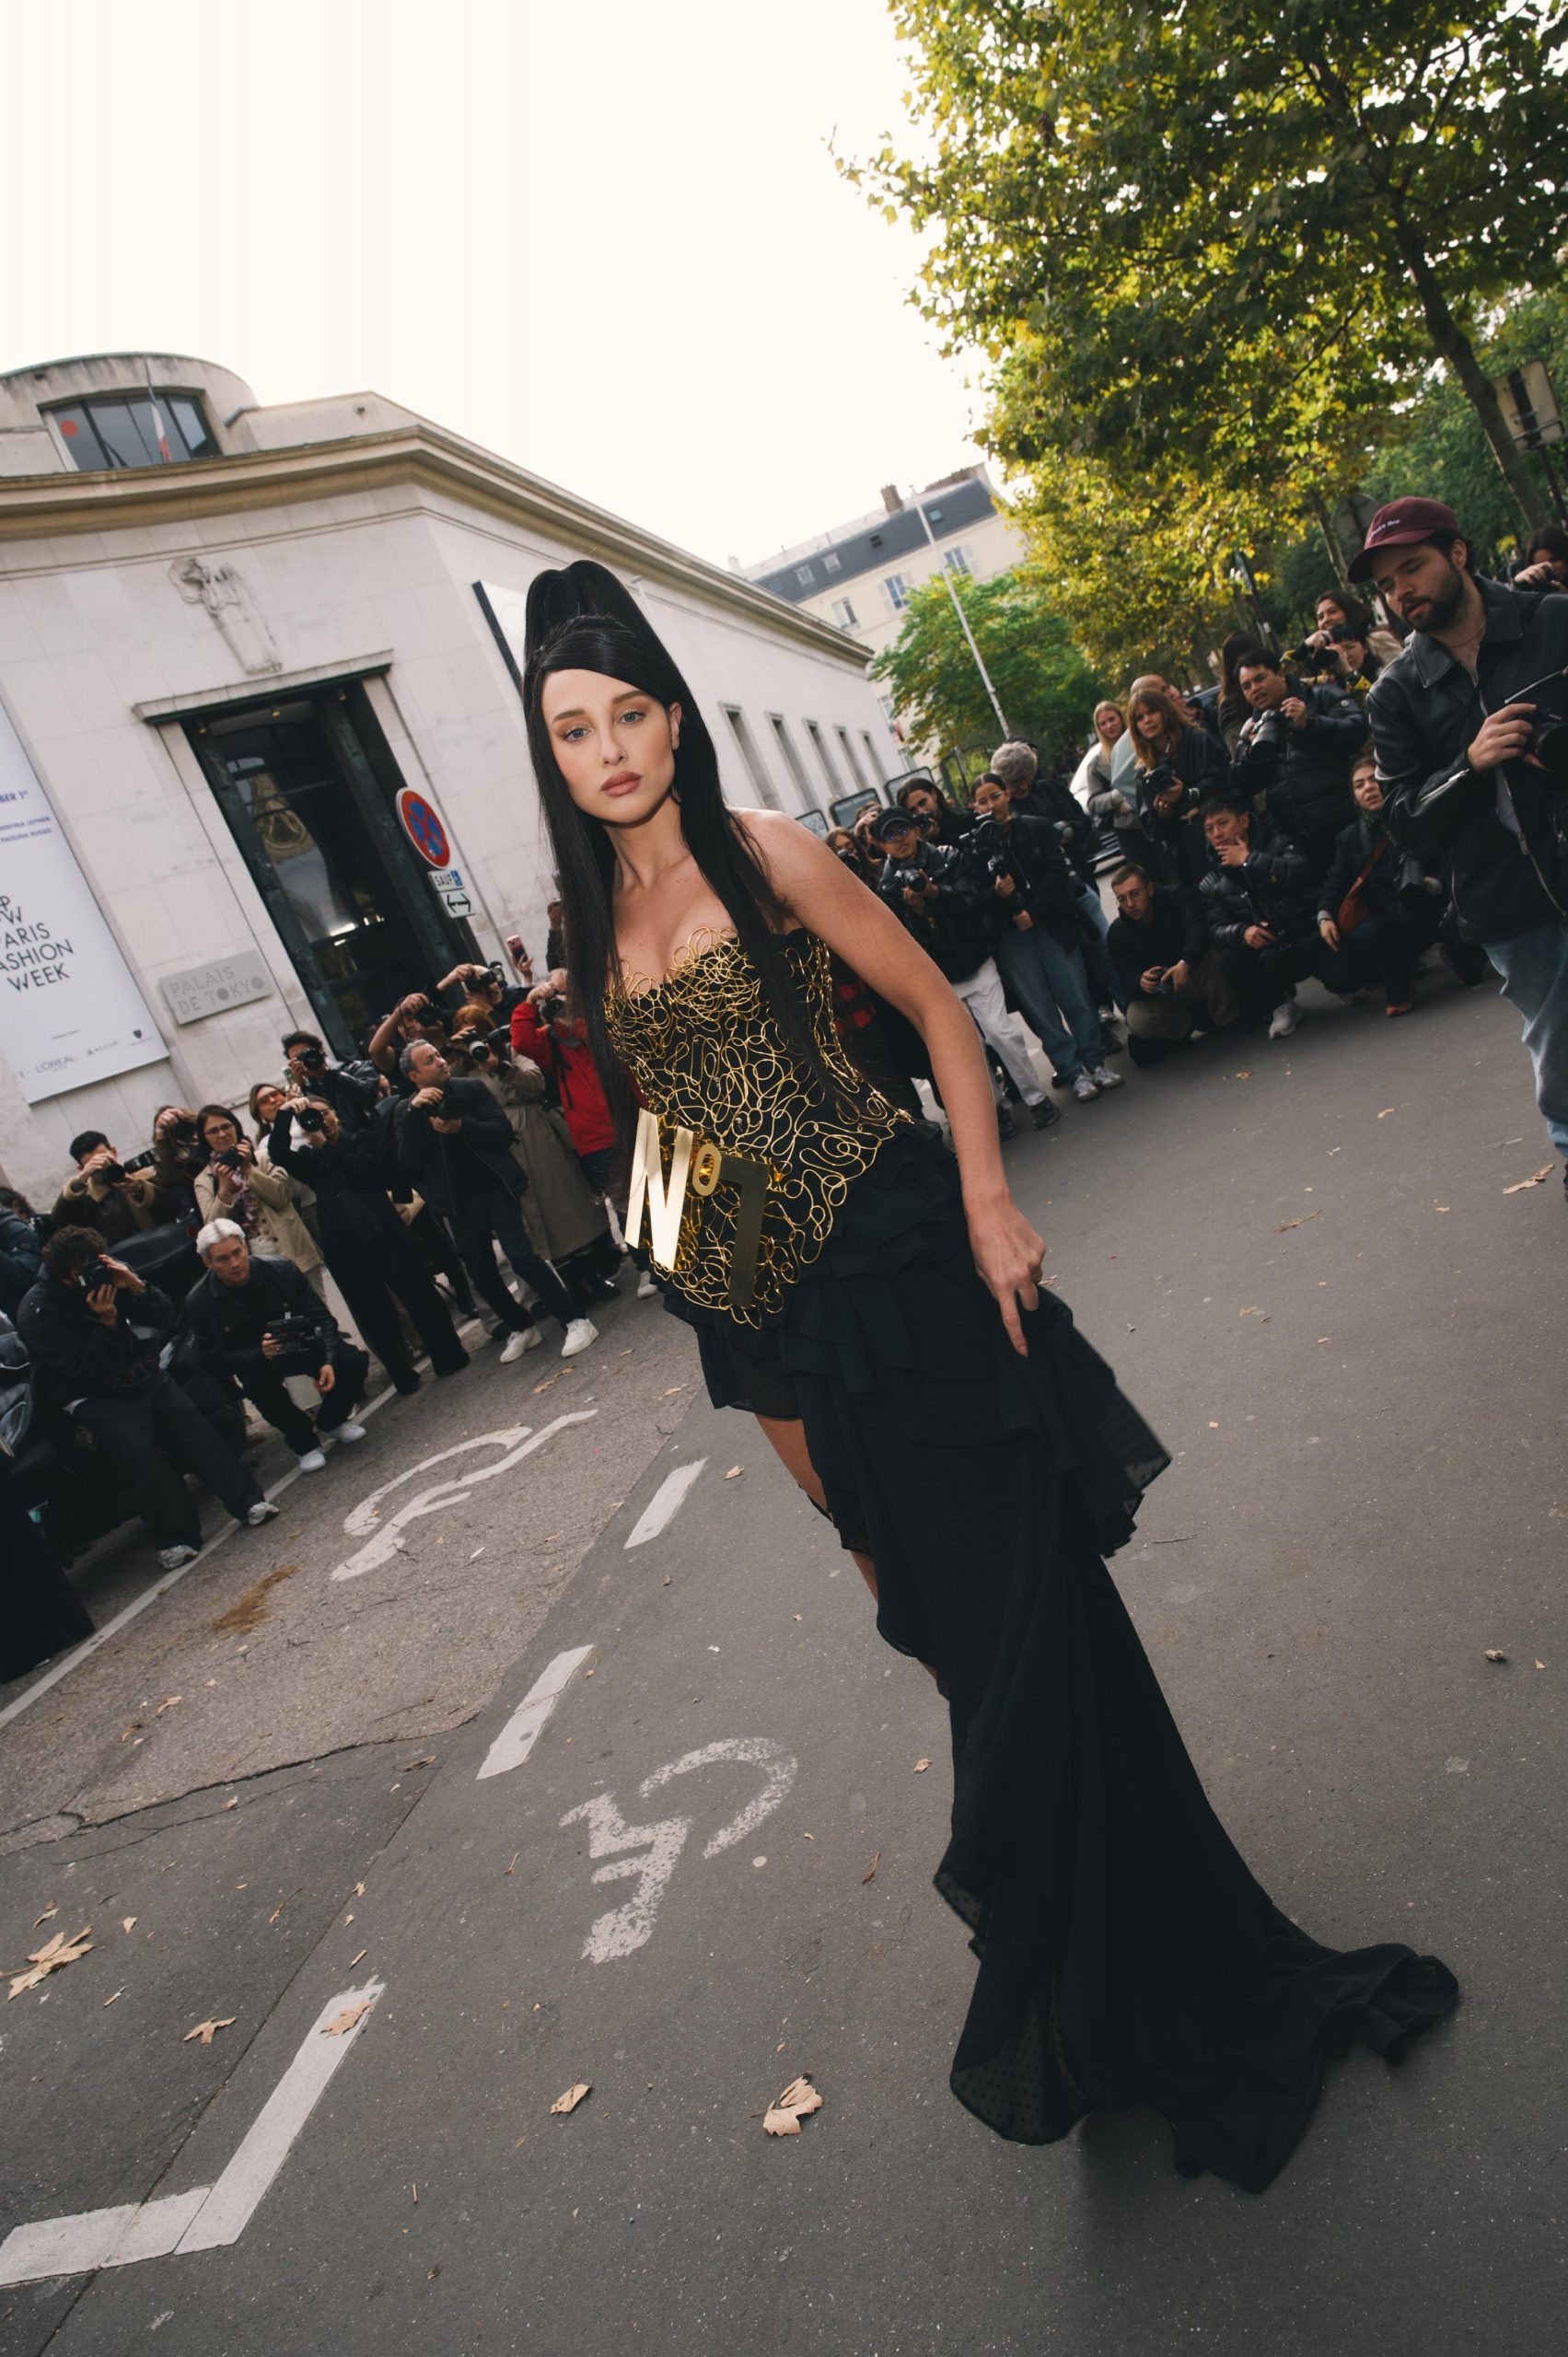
[70, 1012]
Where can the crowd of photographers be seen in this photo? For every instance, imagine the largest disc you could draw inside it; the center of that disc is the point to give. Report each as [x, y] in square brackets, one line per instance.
[165, 1289]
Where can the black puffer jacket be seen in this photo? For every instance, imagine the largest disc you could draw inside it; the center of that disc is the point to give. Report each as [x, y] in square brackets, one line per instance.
[76, 1356]
[351, 1194]
[1274, 889]
[1304, 780]
[1425, 711]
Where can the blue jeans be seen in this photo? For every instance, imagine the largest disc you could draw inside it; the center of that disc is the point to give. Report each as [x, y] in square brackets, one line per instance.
[1101, 975]
[1045, 978]
[1534, 967]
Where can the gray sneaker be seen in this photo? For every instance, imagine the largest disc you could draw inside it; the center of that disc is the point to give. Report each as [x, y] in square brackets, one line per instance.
[262, 1510]
[1083, 1089]
[174, 1559]
[1103, 1077]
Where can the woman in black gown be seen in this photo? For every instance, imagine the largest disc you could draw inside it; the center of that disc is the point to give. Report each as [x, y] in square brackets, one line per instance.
[849, 1282]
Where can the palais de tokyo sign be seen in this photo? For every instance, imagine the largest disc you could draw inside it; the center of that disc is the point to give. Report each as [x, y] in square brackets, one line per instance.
[69, 1010]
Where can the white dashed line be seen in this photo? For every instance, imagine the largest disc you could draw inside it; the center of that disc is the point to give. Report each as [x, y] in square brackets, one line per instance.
[523, 1729]
[665, 1503]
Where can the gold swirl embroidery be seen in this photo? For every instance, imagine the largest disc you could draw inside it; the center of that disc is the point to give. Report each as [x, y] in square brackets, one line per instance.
[707, 1058]
[696, 944]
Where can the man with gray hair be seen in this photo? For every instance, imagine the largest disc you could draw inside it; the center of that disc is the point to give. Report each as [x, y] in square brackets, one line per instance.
[259, 1320]
[1018, 766]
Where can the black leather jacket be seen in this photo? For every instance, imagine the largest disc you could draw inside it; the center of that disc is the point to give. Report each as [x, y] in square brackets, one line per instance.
[960, 927]
[1274, 889]
[1425, 711]
[1306, 780]
[451, 1172]
[1175, 933]
[76, 1356]
[1199, 767]
[228, 1321]
[1044, 884]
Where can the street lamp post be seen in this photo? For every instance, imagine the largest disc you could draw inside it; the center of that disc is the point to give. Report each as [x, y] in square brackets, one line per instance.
[964, 626]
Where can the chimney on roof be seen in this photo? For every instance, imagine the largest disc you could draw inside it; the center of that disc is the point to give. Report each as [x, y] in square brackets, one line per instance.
[892, 498]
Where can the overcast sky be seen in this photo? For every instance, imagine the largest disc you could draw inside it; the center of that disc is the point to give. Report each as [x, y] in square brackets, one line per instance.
[608, 241]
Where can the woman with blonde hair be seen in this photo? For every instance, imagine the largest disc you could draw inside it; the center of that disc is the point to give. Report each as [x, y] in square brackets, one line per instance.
[1094, 785]
[1179, 766]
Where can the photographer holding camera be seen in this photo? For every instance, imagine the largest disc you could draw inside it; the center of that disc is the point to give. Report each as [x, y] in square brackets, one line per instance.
[1257, 901]
[103, 1194]
[257, 1319]
[96, 1332]
[351, 1095]
[1295, 754]
[1470, 723]
[369, 1252]
[455, 1143]
[1179, 766]
[241, 1185]
[1040, 952]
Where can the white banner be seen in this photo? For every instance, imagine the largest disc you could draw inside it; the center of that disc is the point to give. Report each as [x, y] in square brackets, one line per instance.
[69, 1010]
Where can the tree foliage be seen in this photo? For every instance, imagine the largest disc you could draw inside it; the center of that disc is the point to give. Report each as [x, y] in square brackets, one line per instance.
[1046, 687]
[1210, 243]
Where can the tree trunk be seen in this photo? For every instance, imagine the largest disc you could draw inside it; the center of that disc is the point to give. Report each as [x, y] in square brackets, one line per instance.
[1331, 542]
[1456, 349]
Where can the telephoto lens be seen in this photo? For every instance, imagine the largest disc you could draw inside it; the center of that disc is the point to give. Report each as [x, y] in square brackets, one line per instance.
[310, 1119]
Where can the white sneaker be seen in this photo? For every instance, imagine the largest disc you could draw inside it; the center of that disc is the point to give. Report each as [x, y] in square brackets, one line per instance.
[646, 1289]
[1103, 1077]
[579, 1334]
[348, 1431]
[312, 1461]
[174, 1559]
[516, 1344]
[1083, 1089]
[1285, 1017]
[262, 1510]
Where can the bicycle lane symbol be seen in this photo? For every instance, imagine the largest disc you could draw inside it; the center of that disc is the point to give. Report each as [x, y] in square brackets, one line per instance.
[385, 1539]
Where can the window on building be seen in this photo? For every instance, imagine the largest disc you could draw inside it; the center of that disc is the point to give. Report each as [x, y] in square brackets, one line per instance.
[792, 759]
[896, 590]
[851, 763]
[121, 430]
[805, 575]
[872, 766]
[831, 562]
[820, 749]
[844, 614]
[746, 746]
[957, 561]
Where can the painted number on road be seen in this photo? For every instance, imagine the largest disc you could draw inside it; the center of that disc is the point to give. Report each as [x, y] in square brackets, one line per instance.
[630, 1926]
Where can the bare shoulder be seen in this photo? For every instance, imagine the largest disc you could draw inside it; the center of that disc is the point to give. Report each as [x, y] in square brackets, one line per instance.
[792, 854]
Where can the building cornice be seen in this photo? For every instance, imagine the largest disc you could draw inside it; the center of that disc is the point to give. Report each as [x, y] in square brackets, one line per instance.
[423, 456]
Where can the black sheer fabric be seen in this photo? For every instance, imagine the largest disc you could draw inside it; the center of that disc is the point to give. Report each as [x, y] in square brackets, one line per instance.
[1126, 1955]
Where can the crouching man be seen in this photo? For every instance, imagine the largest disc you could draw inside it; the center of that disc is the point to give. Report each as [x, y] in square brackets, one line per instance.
[1159, 946]
[259, 1320]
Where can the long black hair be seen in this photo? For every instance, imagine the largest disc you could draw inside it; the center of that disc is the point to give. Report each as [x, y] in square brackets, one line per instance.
[582, 619]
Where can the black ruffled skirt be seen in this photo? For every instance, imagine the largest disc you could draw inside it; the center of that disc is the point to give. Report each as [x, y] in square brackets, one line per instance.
[1126, 1955]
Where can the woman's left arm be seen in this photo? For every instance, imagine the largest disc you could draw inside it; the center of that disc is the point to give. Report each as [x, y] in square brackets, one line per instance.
[819, 890]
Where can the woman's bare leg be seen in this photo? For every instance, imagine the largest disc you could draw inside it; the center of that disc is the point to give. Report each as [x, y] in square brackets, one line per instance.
[786, 1436]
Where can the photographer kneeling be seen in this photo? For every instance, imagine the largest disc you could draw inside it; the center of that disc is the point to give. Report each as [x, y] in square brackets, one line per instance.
[1172, 978]
[1257, 902]
[259, 1320]
[96, 1332]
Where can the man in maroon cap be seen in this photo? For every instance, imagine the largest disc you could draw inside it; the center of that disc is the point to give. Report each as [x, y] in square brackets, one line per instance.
[1470, 724]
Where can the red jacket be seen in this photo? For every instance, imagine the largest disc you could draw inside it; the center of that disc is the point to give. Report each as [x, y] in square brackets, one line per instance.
[582, 1096]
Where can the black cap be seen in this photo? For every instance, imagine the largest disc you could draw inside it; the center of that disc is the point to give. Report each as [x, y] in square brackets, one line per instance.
[893, 823]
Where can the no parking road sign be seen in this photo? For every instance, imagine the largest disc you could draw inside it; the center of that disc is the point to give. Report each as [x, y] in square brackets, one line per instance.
[422, 824]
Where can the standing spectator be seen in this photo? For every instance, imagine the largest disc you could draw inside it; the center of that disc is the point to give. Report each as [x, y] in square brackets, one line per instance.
[566, 1217]
[178, 1155]
[256, 1319]
[1375, 906]
[947, 823]
[944, 898]
[104, 1195]
[1336, 607]
[1257, 901]
[1294, 755]
[417, 1017]
[21, 1250]
[1356, 665]
[555, 936]
[1107, 803]
[373, 1261]
[1454, 719]
[1050, 796]
[545, 1030]
[1039, 948]
[96, 1331]
[349, 1093]
[846, 845]
[1231, 707]
[1170, 969]
[455, 1143]
[240, 1185]
[1179, 766]
[1546, 559]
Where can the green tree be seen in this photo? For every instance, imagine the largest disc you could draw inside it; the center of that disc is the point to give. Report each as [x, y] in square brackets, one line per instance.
[1046, 688]
[1216, 239]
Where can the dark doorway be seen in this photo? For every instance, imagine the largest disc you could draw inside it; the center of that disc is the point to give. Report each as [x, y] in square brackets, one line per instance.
[308, 787]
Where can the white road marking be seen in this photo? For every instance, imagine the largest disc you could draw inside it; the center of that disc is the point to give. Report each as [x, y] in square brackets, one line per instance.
[523, 1729]
[665, 1503]
[518, 1441]
[208, 2215]
[630, 1926]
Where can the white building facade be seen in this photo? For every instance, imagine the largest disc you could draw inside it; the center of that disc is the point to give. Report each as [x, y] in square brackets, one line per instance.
[262, 749]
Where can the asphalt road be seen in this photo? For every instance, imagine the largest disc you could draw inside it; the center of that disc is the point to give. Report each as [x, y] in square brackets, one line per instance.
[1303, 1259]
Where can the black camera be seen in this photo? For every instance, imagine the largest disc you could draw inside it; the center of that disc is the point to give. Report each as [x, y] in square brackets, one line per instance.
[313, 1059]
[987, 843]
[1266, 730]
[113, 1171]
[1549, 746]
[311, 1119]
[478, 1051]
[911, 878]
[229, 1155]
[183, 1132]
[1161, 777]
[296, 1335]
[95, 1274]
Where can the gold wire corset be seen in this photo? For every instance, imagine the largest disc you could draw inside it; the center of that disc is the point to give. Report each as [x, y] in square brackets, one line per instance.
[758, 1168]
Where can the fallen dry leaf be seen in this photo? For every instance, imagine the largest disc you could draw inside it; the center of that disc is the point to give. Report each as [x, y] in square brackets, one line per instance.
[425, 1759]
[128, 1922]
[734, 1473]
[167, 1704]
[1540, 1665]
[233, 1804]
[512, 1867]
[545, 1385]
[1385, 1113]
[870, 1874]
[783, 2117]
[54, 1907]
[921, 1766]
[207, 2031]
[343, 2022]
[671, 1392]
[572, 2098]
[54, 1955]
[1286, 1224]
[359, 1890]
[1539, 1181]
[1493, 1653]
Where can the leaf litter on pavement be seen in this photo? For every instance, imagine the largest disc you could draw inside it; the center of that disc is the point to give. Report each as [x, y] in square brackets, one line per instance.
[54, 1955]
[572, 2098]
[207, 2031]
[784, 2114]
